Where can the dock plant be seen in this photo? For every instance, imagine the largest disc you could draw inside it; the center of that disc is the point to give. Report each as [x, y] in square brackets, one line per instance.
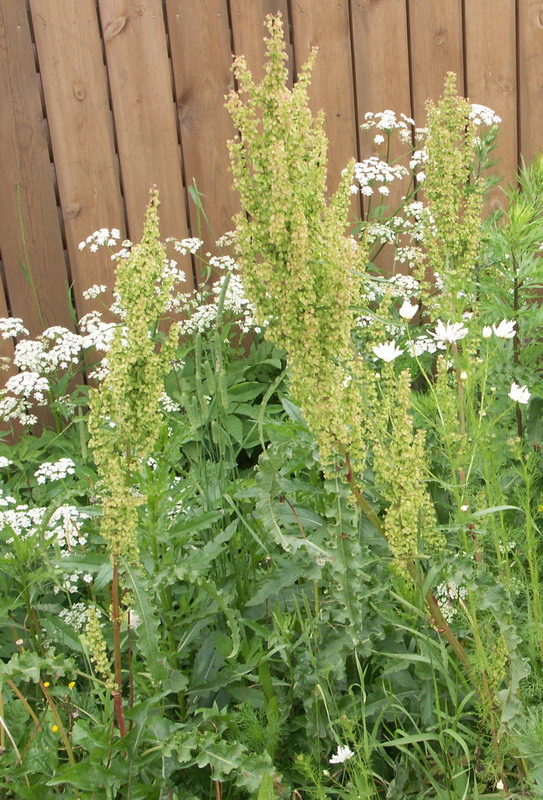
[280, 536]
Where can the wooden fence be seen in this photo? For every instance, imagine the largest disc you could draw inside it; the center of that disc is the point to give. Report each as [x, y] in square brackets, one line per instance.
[101, 99]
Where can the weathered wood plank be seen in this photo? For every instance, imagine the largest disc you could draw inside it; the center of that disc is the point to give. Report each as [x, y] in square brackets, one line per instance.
[436, 48]
[145, 115]
[530, 78]
[30, 232]
[382, 82]
[201, 61]
[326, 25]
[248, 31]
[491, 78]
[75, 88]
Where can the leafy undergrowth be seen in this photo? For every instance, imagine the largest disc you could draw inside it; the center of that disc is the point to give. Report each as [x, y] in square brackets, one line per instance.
[288, 547]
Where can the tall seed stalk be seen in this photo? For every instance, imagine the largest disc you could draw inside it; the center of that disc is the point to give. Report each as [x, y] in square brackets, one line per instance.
[124, 419]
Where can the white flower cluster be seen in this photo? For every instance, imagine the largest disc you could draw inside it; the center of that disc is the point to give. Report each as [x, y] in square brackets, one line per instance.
[62, 531]
[102, 238]
[424, 344]
[98, 334]
[94, 291]
[228, 239]
[387, 121]
[26, 388]
[55, 470]
[55, 348]
[12, 326]
[184, 246]
[374, 170]
[447, 595]
[76, 616]
[483, 115]
[167, 404]
[5, 462]
[235, 302]
[404, 286]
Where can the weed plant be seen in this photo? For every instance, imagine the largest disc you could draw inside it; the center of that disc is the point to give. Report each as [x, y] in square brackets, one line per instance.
[288, 543]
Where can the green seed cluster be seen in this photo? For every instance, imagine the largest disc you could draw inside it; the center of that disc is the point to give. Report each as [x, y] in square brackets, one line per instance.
[94, 640]
[124, 416]
[454, 198]
[298, 265]
[400, 468]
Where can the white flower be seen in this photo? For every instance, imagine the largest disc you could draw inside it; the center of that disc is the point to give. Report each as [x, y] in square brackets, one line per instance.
[487, 332]
[343, 754]
[4, 462]
[12, 326]
[483, 115]
[505, 330]
[379, 139]
[519, 394]
[55, 471]
[449, 331]
[94, 291]
[500, 785]
[407, 311]
[464, 508]
[387, 351]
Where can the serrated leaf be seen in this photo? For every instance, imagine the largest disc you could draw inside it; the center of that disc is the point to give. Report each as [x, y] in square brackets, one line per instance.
[147, 632]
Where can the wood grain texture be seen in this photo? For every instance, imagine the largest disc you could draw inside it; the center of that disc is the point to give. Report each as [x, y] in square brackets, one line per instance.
[326, 25]
[28, 206]
[436, 48]
[6, 345]
[248, 31]
[201, 61]
[145, 115]
[382, 82]
[530, 78]
[80, 123]
[491, 78]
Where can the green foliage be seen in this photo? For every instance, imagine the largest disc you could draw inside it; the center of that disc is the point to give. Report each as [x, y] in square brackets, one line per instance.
[293, 245]
[235, 624]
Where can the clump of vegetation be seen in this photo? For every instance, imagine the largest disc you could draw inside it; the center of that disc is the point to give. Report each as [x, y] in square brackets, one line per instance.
[308, 566]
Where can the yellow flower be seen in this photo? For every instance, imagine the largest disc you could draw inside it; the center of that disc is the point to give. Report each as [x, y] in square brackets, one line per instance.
[71, 685]
[46, 684]
[54, 728]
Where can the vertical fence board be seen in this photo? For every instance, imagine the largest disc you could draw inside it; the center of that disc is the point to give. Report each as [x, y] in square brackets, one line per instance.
[248, 30]
[530, 78]
[436, 48]
[201, 60]
[75, 89]
[144, 114]
[382, 82]
[326, 25]
[491, 77]
[25, 164]
[6, 345]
